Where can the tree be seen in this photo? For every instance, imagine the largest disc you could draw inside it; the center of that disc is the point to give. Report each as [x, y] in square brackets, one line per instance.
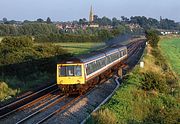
[48, 21]
[124, 19]
[168, 24]
[95, 17]
[40, 20]
[152, 37]
[5, 20]
[105, 34]
[83, 21]
[15, 49]
[105, 21]
[115, 22]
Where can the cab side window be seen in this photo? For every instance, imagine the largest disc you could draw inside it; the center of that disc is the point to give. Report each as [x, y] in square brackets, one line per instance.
[77, 70]
[62, 71]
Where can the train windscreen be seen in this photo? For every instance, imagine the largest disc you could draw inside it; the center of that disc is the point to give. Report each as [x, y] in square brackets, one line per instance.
[71, 70]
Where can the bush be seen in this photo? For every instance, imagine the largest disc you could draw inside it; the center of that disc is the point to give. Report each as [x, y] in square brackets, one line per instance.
[159, 59]
[163, 116]
[17, 42]
[152, 37]
[6, 92]
[154, 81]
[104, 117]
[16, 49]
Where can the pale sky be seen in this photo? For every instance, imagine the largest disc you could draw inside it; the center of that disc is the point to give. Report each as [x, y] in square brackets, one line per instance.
[68, 10]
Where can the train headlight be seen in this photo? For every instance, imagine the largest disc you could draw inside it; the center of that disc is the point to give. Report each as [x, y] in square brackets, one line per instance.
[78, 81]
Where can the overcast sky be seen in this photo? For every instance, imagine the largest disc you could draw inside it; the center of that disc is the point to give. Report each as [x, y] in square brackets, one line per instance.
[68, 10]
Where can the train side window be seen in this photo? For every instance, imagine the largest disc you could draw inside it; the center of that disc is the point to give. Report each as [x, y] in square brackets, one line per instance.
[125, 52]
[108, 59]
[102, 62]
[94, 66]
[89, 69]
[119, 54]
[112, 58]
[77, 70]
[122, 54]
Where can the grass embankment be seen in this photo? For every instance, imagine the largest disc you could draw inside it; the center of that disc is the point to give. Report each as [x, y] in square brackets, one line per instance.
[171, 49]
[148, 95]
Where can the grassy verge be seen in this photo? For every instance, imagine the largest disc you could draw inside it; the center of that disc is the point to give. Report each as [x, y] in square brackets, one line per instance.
[148, 95]
[170, 47]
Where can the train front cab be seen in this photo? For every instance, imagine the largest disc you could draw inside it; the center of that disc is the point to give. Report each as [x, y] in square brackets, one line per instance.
[69, 76]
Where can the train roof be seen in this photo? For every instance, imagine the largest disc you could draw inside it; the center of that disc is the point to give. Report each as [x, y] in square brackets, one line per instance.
[93, 55]
[70, 60]
[100, 53]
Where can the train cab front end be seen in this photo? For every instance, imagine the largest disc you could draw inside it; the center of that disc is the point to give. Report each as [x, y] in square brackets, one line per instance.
[70, 76]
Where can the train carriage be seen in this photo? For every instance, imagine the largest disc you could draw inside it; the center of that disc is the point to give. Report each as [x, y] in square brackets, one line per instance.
[78, 74]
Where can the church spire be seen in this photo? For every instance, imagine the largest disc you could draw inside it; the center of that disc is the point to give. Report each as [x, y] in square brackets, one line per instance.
[91, 16]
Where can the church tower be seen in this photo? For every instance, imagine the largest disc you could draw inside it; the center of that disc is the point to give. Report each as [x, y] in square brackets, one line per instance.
[91, 16]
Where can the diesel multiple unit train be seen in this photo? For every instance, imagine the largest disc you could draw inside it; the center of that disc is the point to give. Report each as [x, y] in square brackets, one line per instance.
[78, 74]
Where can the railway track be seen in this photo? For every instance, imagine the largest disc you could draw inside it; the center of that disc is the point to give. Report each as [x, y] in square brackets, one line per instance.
[26, 101]
[56, 100]
[33, 111]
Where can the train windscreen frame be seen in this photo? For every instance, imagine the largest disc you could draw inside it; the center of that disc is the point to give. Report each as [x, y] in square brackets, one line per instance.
[70, 71]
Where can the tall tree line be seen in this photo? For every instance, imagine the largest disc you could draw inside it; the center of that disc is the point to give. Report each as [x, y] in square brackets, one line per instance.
[27, 29]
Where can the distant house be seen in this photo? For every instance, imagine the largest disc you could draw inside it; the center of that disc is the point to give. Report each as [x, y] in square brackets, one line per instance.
[59, 26]
[94, 25]
[167, 32]
[133, 26]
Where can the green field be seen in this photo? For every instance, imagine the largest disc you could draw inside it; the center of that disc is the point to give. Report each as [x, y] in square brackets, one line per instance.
[79, 48]
[171, 49]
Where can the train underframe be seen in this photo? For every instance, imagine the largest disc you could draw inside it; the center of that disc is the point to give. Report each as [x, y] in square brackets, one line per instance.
[99, 78]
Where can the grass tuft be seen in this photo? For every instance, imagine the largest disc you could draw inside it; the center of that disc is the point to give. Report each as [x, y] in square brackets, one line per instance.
[6, 92]
[104, 117]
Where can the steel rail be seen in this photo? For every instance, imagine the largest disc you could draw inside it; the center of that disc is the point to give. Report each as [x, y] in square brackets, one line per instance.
[48, 105]
[59, 110]
[28, 105]
[13, 107]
